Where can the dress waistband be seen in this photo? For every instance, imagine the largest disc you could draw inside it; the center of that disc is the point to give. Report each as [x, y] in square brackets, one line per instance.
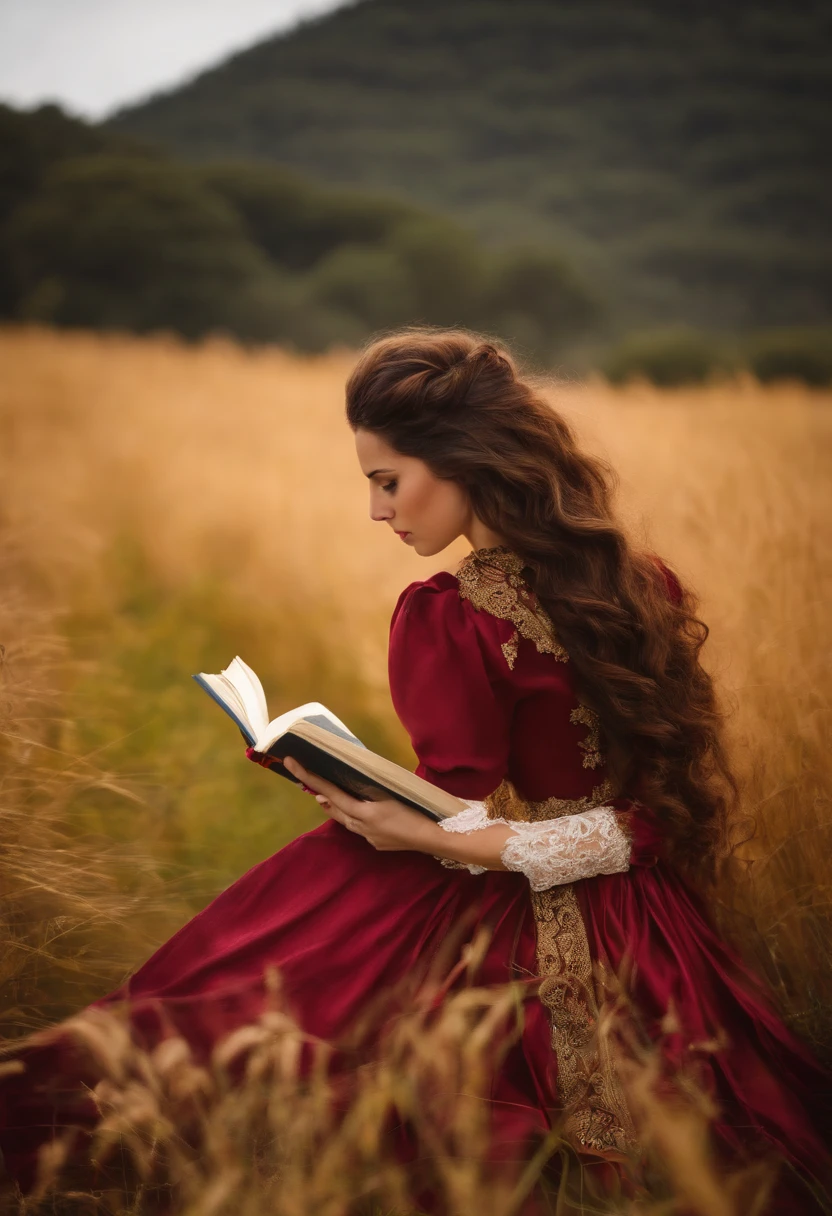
[507, 803]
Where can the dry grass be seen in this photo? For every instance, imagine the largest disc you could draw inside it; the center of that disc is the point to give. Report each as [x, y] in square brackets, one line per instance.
[164, 507]
[276, 1121]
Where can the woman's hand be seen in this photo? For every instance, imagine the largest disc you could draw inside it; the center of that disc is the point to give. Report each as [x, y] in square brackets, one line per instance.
[390, 825]
[387, 825]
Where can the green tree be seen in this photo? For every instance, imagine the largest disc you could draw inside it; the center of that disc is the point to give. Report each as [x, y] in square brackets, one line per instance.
[446, 270]
[138, 242]
[538, 300]
[372, 285]
[668, 357]
[792, 354]
[30, 145]
[123, 244]
[298, 222]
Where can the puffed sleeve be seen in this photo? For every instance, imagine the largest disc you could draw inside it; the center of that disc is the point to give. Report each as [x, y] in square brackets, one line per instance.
[445, 690]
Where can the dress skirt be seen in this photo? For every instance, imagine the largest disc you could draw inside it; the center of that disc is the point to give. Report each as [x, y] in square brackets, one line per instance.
[344, 924]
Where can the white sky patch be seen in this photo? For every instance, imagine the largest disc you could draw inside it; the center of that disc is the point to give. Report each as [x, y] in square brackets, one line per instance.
[93, 56]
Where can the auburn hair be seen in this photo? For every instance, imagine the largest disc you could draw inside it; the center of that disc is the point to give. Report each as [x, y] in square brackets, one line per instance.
[455, 400]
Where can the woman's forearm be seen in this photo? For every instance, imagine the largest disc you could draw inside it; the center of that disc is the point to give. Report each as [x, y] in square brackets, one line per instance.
[479, 848]
[549, 852]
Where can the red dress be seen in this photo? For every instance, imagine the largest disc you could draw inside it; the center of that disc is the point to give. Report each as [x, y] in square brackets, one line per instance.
[486, 693]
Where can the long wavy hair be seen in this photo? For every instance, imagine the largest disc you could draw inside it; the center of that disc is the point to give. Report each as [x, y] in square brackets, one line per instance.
[456, 401]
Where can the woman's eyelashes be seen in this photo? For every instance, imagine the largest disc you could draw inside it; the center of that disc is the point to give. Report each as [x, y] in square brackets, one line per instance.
[390, 487]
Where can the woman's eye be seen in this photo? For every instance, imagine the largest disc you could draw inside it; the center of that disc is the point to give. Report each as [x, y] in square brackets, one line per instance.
[391, 485]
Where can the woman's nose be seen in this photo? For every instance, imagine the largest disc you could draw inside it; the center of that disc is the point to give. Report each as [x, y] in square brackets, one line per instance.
[380, 510]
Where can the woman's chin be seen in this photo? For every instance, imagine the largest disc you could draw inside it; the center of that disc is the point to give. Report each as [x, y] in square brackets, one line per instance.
[426, 548]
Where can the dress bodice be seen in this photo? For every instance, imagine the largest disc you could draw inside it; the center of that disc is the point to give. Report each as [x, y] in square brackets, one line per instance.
[486, 692]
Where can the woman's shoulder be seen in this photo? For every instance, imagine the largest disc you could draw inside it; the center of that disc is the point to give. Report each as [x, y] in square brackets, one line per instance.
[473, 586]
[473, 576]
[426, 593]
[439, 636]
[488, 597]
[474, 596]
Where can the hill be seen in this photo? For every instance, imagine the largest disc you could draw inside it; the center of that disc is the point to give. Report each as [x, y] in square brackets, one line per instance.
[99, 230]
[677, 153]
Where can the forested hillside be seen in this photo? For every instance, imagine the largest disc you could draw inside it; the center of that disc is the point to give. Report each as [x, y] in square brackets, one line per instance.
[98, 230]
[679, 153]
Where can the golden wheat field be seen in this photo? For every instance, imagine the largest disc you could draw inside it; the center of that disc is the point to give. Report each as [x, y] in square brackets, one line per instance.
[163, 507]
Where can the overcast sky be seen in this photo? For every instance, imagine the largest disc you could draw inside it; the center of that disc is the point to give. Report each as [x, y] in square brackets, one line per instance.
[95, 55]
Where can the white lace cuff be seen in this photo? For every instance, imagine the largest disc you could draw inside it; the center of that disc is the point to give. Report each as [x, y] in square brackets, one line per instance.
[474, 817]
[552, 851]
[557, 851]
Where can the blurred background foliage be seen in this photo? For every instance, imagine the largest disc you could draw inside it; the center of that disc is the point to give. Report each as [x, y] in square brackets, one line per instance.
[677, 153]
[101, 232]
[564, 175]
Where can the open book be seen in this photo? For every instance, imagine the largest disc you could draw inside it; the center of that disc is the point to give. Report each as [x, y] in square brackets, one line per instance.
[312, 735]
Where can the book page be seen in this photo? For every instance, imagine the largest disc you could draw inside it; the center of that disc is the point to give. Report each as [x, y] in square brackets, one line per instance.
[330, 722]
[274, 729]
[221, 690]
[250, 690]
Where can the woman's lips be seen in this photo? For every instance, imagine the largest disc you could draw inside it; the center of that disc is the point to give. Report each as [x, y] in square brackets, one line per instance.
[402, 535]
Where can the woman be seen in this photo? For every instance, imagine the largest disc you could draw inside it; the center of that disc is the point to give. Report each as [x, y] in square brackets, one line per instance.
[554, 684]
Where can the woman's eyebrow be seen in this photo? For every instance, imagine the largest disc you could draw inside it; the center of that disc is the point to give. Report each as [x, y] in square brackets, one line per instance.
[375, 471]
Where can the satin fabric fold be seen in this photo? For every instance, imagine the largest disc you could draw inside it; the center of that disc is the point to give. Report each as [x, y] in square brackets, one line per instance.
[344, 925]
[769, 1089]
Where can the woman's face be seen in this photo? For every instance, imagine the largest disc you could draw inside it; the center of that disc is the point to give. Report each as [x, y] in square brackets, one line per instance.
[426, 511]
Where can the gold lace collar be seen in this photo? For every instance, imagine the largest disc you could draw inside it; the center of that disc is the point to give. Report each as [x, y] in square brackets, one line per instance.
[492, 580]
[496, 557]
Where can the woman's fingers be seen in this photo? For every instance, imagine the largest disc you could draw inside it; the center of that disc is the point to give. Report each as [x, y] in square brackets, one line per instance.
[337, 809]
[342, 807]
[332, 793]
[348, 811]
[307, 780]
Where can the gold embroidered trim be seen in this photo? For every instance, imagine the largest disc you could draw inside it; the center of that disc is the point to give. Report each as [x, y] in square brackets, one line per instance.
[506, 803]
[492, 580]
[595, 1110]
[591, 745]
[509, 649]
[596, 1117]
